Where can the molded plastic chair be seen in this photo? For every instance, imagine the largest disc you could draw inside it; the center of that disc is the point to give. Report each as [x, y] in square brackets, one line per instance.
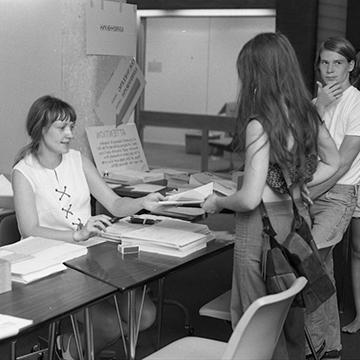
[254, 337]
[218, 308]
[9, 232]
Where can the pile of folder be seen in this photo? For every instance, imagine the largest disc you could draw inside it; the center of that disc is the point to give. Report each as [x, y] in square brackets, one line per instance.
[34, 257]
[162, 235]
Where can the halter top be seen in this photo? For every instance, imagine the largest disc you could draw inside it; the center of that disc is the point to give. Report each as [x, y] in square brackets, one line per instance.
[275, 178]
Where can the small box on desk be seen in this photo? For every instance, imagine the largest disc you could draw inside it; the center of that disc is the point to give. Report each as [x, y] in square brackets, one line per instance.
[5, 278]
[128, 249]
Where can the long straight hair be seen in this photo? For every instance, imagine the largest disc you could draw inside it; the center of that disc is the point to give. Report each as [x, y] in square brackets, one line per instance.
[273, 90]
[42, 113]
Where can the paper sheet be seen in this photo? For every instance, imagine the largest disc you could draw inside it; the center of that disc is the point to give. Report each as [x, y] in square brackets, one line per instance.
[5, 187]
[10, 325]
[193, 196]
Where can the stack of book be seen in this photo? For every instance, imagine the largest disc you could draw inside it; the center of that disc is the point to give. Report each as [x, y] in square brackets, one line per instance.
[34, 257]
[165, 236]
[11, 325]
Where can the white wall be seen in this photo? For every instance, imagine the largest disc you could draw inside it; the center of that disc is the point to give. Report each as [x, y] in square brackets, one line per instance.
[190, 65]
[43, 51]
[30, 66]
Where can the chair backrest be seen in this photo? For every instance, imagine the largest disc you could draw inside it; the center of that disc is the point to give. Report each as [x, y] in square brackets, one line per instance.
[257, 332]
[9, 232]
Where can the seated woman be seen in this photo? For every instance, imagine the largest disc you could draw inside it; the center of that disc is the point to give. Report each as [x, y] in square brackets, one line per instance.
[52, 185]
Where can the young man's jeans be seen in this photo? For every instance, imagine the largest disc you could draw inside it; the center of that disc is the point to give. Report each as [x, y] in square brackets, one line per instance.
[332, 213]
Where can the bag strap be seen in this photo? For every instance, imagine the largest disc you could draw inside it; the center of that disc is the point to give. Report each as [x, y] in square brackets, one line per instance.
[290, 190]
[267, 227]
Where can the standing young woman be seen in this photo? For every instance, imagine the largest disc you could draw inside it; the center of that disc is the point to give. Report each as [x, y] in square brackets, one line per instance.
[52, 185]
[338, 103]
[280, 131]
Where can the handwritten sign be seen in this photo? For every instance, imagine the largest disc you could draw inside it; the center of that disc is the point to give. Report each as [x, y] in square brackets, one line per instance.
[111, 30]
[115, 148]
[121, 94]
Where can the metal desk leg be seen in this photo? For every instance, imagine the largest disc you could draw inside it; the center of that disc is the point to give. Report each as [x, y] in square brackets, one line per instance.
[89, 335]
[77, 337]
[121, 325]
[51, 344]
[132, 323]
[13, 350]
[160, 310]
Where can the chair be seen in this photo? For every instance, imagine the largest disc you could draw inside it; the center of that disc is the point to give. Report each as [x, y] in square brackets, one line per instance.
[218, 308]
[9, 232]
[254, 337]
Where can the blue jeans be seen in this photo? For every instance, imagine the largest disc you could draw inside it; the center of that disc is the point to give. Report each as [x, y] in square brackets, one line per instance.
[248, 284]
[332, 213]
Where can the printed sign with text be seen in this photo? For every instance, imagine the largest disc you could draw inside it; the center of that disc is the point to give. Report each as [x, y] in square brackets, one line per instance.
[111, 30]
[121, 94]
[115, 148]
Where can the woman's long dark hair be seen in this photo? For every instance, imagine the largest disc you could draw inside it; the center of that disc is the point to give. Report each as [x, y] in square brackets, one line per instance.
[273, 89]
[42, 113]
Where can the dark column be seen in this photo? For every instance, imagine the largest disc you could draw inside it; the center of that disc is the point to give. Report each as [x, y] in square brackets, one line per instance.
[353, 23]
[298, 21]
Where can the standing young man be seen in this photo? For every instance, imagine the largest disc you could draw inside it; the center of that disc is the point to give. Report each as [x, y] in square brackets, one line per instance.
[338, 103]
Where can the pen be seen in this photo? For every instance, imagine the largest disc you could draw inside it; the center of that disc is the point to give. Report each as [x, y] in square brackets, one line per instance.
[138, 220]
[115, 219]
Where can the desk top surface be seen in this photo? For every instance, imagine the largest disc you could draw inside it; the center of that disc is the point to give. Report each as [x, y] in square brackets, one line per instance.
[54, 296]
[104, 262]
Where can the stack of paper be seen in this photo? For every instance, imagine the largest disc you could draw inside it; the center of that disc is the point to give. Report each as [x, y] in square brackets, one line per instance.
[132, 177]
[222, 186]
[34, 257]
[10, 325]
[167, 236]
[180, 212]
[172, 242]
[190, 197]
[174, 177]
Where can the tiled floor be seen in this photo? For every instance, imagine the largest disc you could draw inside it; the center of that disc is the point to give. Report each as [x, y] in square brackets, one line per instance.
[212, 278]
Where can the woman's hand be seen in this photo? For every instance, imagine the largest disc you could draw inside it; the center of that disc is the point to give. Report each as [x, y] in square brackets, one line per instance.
[96, 225]
[152, 201]
[210, 205]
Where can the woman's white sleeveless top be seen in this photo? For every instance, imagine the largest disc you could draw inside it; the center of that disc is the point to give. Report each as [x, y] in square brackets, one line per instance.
[62, 195]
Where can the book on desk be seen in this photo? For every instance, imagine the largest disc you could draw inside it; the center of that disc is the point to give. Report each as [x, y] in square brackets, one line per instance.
[165, 236]
[34, 258]
[11, 325]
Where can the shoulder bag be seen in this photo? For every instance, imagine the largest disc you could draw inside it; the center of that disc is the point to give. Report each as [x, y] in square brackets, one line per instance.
[296, 256]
